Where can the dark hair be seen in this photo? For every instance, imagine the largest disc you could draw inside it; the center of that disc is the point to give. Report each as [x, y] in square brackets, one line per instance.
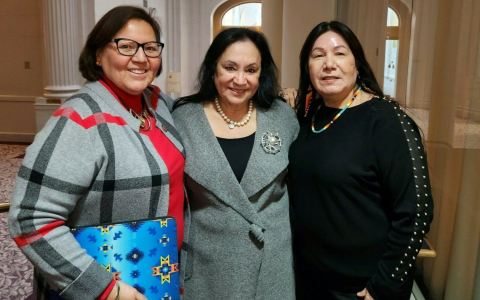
[366, 79]
[268, 87]
[103, 32]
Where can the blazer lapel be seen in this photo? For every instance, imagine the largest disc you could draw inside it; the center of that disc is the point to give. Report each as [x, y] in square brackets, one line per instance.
[207, 165]
[264, 167]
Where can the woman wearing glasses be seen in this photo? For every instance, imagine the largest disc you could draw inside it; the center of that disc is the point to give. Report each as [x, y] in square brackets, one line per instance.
[109, 154]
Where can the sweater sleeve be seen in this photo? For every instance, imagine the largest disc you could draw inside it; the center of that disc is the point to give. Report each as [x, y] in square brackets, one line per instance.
[55, 174]
[403, 172]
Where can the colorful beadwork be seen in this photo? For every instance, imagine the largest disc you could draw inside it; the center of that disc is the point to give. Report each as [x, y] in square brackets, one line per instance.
[355, 94]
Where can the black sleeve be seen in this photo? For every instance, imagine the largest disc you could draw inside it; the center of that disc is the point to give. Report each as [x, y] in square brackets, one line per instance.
[405, 183]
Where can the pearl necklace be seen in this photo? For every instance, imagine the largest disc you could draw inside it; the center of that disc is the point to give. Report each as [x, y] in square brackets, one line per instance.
[232, 124]
[355, 94]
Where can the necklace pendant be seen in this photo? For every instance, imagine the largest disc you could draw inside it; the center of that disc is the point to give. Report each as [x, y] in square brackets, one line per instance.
[231, 125]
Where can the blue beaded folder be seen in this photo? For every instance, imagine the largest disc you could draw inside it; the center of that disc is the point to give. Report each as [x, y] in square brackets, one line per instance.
[141, 253]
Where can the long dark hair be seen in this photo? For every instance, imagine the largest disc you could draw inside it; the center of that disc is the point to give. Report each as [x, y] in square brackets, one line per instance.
[366, 79]
[268, 87]
[103, 32]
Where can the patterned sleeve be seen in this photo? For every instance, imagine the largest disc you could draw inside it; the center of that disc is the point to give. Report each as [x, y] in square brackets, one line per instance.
[404, 178]
[55, 174]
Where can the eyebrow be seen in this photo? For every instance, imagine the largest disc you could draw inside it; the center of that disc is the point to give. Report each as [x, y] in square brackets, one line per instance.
[254, 64]
[335, 48]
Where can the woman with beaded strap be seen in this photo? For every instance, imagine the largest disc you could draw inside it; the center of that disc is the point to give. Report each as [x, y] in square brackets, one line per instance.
[237, 133]
[361, 200]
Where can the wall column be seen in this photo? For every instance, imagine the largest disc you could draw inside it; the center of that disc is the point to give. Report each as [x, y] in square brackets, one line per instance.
[172, 64]
[62, 48]
[63, 42]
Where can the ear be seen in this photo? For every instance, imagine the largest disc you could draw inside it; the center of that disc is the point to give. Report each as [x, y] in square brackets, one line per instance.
[98, 58]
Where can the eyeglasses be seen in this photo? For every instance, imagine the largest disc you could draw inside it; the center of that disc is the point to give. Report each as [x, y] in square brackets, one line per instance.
[129, 47]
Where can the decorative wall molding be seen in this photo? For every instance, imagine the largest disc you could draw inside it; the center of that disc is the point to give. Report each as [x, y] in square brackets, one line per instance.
[17, 118]
[16, 98]
[15, 137]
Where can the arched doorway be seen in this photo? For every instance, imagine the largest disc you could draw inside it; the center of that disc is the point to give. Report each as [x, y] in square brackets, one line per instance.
[397, 49]
[237, 13]
[391, 54]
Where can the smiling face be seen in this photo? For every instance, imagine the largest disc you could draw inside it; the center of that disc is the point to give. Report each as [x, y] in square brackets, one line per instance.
[132, 74]
[237, 73]
[332, 67]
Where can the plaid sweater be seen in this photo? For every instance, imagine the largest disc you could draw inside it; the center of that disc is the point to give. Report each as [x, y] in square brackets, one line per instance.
[88, 165]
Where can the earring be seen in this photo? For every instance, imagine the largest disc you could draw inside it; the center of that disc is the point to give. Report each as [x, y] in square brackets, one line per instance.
[98, 63]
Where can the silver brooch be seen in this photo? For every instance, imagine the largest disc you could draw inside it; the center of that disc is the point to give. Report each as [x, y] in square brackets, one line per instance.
[271, 142]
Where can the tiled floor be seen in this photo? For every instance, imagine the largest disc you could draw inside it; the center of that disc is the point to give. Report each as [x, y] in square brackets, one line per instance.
[10, 160]
[15, 270]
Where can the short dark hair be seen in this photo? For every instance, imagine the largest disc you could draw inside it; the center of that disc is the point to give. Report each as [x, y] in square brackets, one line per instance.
[366, 78]
[268, 87]
[103, 32]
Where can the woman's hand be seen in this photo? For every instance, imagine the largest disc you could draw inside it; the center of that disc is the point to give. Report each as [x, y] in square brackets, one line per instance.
[126, 292]
[365, 295]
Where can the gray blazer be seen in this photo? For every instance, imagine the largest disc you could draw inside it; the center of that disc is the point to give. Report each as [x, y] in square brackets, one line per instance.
[239, 241]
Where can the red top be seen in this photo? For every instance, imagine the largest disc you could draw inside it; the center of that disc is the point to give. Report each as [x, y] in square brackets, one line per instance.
[170, 155]
[175, 163]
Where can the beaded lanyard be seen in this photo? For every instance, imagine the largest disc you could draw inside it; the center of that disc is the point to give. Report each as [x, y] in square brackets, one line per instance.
[355, 94]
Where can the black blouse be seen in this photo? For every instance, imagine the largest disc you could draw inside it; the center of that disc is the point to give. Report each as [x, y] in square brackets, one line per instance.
[238, 153]
[361, 200]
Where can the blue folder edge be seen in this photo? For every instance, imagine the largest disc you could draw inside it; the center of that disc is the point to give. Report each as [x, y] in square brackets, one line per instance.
[141, 253]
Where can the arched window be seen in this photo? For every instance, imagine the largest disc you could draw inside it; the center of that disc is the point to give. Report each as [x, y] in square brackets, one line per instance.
[237, 13]
[391, 54]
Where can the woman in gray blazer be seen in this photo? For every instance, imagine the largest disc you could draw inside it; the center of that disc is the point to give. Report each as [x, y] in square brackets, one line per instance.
[237, 133]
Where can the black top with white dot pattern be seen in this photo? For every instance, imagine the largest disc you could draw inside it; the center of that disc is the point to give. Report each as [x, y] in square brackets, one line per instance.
[361, 199]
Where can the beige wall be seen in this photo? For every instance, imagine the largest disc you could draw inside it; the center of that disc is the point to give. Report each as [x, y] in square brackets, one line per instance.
[21, 79]
[299, 17]
[371, 34]
[272, 12]
[17, 119]
[473, 111]
[22, 43]
[286, 24]
[421, 54]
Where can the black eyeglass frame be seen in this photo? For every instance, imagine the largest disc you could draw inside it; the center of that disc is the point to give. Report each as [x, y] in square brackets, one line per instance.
[162, 45]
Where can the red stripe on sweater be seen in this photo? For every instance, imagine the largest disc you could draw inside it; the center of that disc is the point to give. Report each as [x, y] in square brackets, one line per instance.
[104, 295]
[27, 239]
[90, 121]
